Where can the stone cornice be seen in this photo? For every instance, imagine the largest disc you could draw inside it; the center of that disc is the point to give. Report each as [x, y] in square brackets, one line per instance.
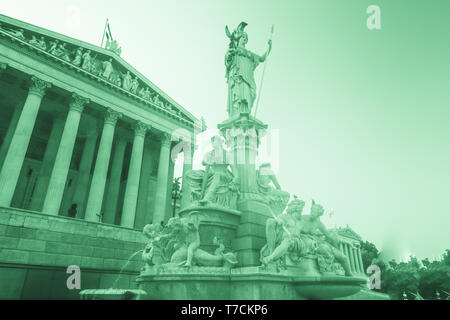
[30, 36]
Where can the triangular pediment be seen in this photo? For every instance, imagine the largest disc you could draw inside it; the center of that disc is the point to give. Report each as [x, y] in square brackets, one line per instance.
[349, 233]
[102, 65]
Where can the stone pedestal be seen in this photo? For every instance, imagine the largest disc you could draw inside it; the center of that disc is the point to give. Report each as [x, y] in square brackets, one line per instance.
[215, 222]
[251, 232]
[242, 135]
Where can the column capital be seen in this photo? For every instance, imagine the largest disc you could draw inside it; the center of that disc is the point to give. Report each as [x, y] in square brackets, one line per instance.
[78, 102]
[166, 139]
[38, 86]
[112, 116]
[140, 129]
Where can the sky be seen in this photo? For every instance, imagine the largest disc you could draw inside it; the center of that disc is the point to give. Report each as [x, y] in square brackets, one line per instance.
[363, 115]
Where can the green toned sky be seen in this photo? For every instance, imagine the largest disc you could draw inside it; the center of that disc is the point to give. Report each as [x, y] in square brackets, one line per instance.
[363, 115]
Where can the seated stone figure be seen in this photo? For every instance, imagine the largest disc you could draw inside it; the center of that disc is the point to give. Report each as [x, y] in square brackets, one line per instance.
[327, 243]
[177, 245]
[216, 185]
[268, 186]
[285, 244]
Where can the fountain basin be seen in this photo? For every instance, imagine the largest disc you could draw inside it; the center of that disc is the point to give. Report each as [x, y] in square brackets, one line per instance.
[112, 294]
[327, 287]
[247, 283]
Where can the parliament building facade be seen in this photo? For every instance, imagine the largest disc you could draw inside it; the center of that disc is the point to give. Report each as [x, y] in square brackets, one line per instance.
[85, 162]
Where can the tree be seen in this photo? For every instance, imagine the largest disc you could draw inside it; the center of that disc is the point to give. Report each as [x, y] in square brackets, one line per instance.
[435, 277]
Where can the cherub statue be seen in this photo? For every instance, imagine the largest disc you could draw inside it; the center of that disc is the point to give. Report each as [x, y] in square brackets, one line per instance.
[154, 252]
[191, 225]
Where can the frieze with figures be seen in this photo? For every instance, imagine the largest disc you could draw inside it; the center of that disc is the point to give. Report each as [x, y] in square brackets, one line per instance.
[104, 68]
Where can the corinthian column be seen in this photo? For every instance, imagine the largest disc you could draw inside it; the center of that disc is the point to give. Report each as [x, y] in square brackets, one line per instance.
[47, 164]
[161, 184]
[84, 172]
[352, 259]
[134, 173]
[19, 143]
[114, 181]
[95, 198]
[58, 178]
[10, 133]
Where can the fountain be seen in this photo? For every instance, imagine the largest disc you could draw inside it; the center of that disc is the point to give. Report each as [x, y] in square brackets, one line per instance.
[112, 293]
[235, 240]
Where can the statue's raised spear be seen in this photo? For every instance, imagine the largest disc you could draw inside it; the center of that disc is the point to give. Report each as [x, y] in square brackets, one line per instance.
[264, 72]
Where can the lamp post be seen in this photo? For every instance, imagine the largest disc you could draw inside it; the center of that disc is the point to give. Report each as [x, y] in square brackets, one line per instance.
[176, 193]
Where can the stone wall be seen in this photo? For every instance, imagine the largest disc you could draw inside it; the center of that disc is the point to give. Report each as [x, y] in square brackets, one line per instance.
[36, 249]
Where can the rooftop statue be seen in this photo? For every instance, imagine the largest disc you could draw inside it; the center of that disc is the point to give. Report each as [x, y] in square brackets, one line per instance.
[240, 67]
[216, 184]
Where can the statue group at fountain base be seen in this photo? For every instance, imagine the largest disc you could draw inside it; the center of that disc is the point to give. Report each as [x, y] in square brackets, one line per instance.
[292, 238]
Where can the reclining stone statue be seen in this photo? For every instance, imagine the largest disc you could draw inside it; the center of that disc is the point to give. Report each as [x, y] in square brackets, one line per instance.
[327, 242]
[177, 245]
[292, 237]
[285, 243]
